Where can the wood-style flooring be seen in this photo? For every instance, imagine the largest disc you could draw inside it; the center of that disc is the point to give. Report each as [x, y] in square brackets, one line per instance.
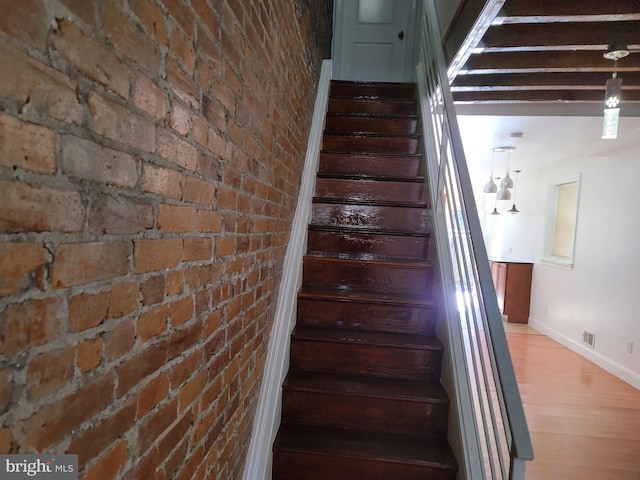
[584, 422]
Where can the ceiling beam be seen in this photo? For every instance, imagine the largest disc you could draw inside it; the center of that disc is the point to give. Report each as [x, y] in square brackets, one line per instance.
[551, 96]
[548, 81]
[562, 34]
[555, 8]
[556, 61]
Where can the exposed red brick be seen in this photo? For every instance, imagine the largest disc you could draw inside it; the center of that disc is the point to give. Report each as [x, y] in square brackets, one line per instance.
[120, 340]
[48, 372]
[142, 365]
[87, 160]
[182, 84]
[197, 248]
[199, 191]
[153, 255]
[119, 215]
[26, 21]
[191, 390]
[225, 246]
[209, 221]
[150, 97]
[182, 340]
[57, 420]
[181, 14]
[29, 324]
[91, 58]
[87, 311]
[90, 443]
[123, 299]
[151, 17]
[180, 311]
[152, 323]
[20, 264]
[153, 290]
[182, 48]
[182, 371]
[6, 388]
[206, 17]
[175, 283]
[80, 263]
[27, 146]
[35, 88]
[151, 395]
[89, 354]
[176, 150]
[162, 181]
[128, 39]
[8, 443]
[176, 218]
[81, 8]
[111, 464]
[151, 428]
[39, 209]
[117, 123]
[179, 118]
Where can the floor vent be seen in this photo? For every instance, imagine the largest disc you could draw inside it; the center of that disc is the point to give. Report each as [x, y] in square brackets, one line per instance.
[589, 338]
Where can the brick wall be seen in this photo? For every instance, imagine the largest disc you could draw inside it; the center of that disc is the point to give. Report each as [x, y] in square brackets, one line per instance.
[150, 157]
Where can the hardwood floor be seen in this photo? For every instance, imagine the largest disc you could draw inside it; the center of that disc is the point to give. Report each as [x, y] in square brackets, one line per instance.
[584, 422]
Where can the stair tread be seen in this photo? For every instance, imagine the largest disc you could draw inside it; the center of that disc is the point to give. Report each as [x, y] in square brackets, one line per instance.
[363, 257]
[366, 231]
[379, 203]
[372, 154]
[366, 386]
[399, 262]
[370, 178]
[363, 337]
[365, 297]
[353, 443]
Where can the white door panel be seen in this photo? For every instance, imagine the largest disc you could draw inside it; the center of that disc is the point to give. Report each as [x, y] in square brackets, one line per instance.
[373, 40]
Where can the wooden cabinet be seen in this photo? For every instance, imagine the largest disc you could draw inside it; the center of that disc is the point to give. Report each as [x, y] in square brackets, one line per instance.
[512, 281]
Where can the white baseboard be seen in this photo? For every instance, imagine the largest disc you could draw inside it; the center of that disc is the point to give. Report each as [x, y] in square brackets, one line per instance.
[267, 419]
[606, 363]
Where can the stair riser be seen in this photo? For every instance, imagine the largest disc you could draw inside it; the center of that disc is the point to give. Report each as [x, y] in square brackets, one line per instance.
[397, 145]
[365, 413]
[397, 246]
[371, 216]
[367, 277]
[371, 107]
[366, 316]
[369, 360]
[406, 92]
[288, 465]
[369, 165]
[370, 190]
[349, 124]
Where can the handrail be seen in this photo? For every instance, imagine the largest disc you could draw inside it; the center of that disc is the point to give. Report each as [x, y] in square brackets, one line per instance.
[483, 374]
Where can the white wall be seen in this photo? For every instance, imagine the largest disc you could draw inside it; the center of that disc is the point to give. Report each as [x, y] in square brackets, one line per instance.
[602, 292]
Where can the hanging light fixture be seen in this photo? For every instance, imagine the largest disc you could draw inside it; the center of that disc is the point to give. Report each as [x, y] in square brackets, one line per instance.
[613, 94]
[491, 186]
[515, 190]
[506, 183]
[495, 204]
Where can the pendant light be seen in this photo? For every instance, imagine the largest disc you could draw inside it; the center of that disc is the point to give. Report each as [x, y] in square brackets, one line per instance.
[506, 181]
[495, 205]
[491, 186]
[613, 95]
[515, 191]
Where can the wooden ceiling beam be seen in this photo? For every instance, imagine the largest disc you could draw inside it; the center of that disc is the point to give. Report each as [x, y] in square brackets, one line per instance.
[547, 81]
[562, 34]
[549, 96]
[556, 8]
[556, 61]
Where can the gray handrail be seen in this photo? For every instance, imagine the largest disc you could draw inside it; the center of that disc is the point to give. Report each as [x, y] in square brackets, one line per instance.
[492, 390]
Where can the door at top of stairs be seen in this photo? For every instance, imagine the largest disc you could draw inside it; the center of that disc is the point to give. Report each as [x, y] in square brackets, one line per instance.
[374, 40]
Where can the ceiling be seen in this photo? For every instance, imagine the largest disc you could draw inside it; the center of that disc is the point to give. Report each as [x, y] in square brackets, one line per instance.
[543, 52]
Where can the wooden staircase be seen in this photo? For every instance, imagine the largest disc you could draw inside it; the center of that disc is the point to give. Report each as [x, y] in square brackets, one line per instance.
[362, 398]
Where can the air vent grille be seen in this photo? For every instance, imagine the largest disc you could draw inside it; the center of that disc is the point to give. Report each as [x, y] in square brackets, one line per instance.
[589, 338]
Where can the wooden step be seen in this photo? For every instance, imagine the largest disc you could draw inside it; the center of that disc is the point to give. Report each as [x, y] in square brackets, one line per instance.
[406, 91]
[360, 403]
[370, 164]
[375, 354]
[337, 241]
[314, 453]
[369, 106]
[373, 216]
[370, 143]
[371, 124]
[338, 309]
[406, 191]
[390, 277]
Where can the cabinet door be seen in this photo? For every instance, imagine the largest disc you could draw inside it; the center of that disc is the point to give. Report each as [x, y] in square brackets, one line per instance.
[500, 283]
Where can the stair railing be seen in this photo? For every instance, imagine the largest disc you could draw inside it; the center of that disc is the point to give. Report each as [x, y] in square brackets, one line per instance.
[494, 436]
